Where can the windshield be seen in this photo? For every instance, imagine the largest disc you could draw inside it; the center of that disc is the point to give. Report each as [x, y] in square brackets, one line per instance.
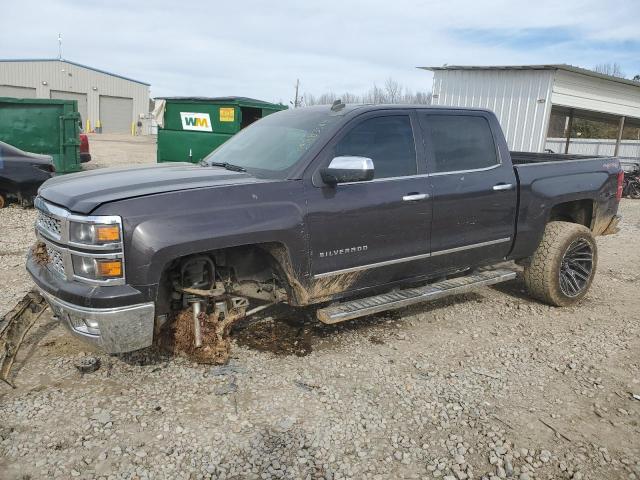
[274, 144]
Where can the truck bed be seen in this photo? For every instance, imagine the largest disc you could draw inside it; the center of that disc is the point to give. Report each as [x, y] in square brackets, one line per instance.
[523, 158]
[554, 178]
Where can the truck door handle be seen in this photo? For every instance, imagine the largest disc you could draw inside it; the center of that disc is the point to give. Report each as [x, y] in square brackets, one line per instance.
[414, 197]
[503, 186]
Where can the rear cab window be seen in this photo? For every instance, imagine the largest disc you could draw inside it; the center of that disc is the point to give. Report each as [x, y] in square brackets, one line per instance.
[459, 142]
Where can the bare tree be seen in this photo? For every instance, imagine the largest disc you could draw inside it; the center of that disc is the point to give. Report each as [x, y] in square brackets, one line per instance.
[393, 92]
[375, 95]
[612, 69]
[422, 98]
[348, 97]
[309, 99]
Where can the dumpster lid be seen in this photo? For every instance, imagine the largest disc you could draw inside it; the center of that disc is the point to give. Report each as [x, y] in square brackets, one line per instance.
[230, 99]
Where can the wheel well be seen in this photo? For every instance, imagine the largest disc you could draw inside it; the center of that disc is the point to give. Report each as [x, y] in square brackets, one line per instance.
[256, 263]
[576, 211]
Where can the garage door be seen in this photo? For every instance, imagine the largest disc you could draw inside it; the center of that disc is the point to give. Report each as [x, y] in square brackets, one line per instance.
[81, 98]
[17, 92]
[116, 114]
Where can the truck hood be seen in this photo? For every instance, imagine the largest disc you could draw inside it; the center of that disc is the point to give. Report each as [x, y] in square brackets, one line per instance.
[85, 191]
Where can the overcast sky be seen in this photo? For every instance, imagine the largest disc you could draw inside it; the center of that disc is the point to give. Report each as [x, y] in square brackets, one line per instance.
[258, 48]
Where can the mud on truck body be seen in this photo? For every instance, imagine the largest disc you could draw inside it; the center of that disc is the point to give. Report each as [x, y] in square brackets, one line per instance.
[358, 209]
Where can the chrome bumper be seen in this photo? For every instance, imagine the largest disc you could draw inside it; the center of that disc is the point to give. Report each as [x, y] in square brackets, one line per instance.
[114, 330]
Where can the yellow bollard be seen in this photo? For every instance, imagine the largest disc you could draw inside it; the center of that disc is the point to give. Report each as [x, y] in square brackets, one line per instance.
[88, 129]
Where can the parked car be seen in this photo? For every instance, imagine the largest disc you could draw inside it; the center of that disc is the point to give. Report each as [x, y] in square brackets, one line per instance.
[356, 209]
[85, 155]
[21, 173]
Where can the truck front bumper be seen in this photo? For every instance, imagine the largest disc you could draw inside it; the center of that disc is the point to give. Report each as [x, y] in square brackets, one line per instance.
[115, 319]
[114, 330]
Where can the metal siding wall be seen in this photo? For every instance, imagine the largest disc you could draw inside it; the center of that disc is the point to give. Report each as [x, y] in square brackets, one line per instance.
[512, 95]
[82, 80]
[582, 91]
[81, 98]
[591, 146]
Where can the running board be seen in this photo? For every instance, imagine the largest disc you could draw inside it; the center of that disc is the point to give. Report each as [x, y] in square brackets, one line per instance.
[402, 298]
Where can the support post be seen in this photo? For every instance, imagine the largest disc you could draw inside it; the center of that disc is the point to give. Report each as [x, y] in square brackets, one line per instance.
[569, 128]
[619, 139]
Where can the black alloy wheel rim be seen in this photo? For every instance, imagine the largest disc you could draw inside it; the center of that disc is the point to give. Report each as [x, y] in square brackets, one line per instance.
[576, 268]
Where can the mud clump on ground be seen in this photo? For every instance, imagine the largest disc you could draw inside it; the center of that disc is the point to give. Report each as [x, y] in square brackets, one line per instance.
[281, 337]
[178, 337]
[40, 254]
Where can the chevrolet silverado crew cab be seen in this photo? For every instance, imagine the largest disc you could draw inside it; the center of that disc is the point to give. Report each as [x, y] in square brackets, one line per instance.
[355, 209]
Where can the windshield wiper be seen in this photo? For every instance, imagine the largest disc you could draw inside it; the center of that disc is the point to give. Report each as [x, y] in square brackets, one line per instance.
[228, 166]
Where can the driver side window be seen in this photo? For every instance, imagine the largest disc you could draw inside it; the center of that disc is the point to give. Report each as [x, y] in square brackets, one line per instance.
[388, 141]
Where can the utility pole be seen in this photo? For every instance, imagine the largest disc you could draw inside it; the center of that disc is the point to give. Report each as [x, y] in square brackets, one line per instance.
[296, 103]
[59, 46]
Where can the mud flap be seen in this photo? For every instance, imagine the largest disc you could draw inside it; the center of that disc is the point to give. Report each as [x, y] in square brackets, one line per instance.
[14, 327]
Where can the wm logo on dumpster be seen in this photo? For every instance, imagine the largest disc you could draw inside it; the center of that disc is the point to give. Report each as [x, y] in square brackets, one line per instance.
[196, 121]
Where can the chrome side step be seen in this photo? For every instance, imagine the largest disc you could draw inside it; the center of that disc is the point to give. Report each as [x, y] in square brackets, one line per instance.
[402, 298]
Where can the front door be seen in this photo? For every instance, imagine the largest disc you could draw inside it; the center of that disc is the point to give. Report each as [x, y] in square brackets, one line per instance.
[371, 232]
[474, 193]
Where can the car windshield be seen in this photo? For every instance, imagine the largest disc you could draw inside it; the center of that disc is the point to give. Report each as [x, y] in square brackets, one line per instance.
[271, 146]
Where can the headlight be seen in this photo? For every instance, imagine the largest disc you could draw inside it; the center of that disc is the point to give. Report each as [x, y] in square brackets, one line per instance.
[97, 268]
[94, 233]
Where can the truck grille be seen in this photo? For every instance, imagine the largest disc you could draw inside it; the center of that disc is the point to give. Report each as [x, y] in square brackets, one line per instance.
[49, 224]
[56, 260]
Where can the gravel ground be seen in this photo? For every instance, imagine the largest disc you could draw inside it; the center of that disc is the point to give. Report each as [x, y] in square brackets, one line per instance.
[17, 236]
[110, 150]
[483, 385]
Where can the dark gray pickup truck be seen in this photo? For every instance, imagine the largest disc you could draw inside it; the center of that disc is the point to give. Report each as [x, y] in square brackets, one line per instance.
[358, 209]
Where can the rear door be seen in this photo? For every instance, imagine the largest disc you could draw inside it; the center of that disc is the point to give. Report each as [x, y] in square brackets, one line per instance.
[474, 192]
[377, 231]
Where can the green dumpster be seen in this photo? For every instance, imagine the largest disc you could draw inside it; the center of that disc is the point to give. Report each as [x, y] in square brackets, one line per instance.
[192, 127]
[43, 126]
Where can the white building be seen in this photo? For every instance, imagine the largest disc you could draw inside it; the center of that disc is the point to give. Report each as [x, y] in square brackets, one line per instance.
[106, 101]
[538, 105]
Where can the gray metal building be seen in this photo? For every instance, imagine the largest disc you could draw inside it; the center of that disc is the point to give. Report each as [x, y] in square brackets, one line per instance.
[106, 101]
[538, 104]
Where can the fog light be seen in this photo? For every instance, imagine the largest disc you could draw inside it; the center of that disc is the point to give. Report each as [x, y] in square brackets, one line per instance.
[92, 326]
[77, 323]
[91, 323]
[83, 325]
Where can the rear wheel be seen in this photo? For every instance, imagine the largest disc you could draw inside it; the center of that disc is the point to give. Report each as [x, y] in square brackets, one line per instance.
[561, 269]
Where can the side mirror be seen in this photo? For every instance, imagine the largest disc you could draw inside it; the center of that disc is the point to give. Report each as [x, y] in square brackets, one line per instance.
[348, 169]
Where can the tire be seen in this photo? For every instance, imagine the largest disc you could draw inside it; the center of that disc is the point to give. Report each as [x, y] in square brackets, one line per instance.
[562, 268]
